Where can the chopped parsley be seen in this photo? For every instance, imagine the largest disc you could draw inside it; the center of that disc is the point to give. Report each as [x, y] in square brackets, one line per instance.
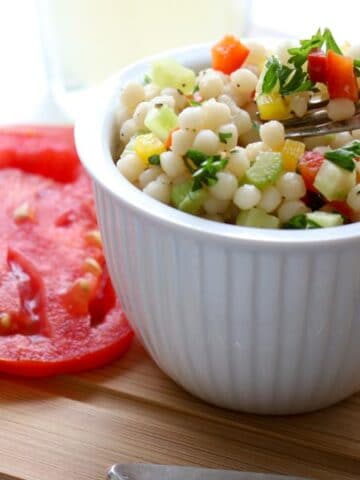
[194, 104]
[301, 222]
[344, 157]
[146, 79]
[204, 168]
[196, 88]
[288, 79]
[154, 160]
[224, 136]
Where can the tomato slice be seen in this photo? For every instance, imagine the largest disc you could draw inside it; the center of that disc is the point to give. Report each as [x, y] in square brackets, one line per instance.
[341, 77]
[48, 151]
[46, 327]
[308, 166]
[317, 66]
[229, 54]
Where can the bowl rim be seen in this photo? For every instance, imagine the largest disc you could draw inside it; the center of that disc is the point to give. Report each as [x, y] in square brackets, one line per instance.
[94, 128]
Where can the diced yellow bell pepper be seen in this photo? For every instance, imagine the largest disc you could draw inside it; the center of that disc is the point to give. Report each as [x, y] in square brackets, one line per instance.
[291, 153]
[272, 107]
[147, 145]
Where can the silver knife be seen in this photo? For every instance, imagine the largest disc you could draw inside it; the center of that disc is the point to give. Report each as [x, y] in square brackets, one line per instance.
[146, 471]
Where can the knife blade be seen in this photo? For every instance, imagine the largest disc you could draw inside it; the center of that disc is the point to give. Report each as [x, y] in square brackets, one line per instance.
[146, 471]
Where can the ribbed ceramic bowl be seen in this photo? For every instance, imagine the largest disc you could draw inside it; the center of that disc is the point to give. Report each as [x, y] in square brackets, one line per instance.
[257, 320]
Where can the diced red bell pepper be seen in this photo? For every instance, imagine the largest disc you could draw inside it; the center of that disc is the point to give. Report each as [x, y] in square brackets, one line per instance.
[341, 77]
[317, 66]
[309, 165]
[228, 54]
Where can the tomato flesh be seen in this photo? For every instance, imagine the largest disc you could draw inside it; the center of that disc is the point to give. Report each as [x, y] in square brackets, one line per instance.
[317, 66]
[308, 166]
[341, 77]
[44, 330]
[229, 54]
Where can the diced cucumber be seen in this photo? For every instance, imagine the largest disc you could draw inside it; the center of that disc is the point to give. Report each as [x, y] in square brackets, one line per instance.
[169, 73]
[160, 121]
[257, 217]
[325, 219]
[184, 199]
[334, 182]
[265, 170]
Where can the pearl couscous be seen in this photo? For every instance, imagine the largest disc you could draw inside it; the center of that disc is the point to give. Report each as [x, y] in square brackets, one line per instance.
[212, 143]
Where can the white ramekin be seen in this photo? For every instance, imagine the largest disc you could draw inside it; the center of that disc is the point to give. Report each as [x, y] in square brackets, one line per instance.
[263, 321]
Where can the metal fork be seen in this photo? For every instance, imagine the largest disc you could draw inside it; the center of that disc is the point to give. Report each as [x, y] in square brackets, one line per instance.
[316, 122]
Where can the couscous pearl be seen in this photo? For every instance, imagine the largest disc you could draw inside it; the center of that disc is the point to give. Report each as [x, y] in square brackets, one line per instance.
[247, 196]
[172, 164]
[211, 85]
[242, 121]
[290, 208]
[270, 199]
[227, 100]
[140, 113]
[158, 190]
[273, 134]
[291, 186]
[299, 104]
[207, 141]
[121, 115]
[131, 166]
[182, 141]
[225, 187]
[214, 217]
[127, 130]
[282, 51]
[163, 178]
[192, 118]
[353, 198]
[132, 94]
[322, 150]
[251, 109]
[215, 114]
[149, 175]
[238, 162]
[253, 149]
[230, 132]
[179, 98]
[340, 109]
[341, 139]
[214, 205]
[257, 55]
[243, 81]
[160, 100]
[151, 90]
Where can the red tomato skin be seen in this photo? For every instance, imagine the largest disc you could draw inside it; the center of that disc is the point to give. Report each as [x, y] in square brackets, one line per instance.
[342, 81]
[51, 251]
[47, 151]
[317, 66]
[229, 54]
[308, 166]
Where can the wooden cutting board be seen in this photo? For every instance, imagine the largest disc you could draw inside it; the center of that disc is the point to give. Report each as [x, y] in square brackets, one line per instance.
[74, 427]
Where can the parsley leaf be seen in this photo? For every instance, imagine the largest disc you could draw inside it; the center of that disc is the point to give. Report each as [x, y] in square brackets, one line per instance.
[357, 67]
[344, 157]
[154, 160]
[301, 222]
[204, 168]
[298, 55]
[196, 88]
[146, 79]
[289, 79]
[194, 104]
[330, 42]
[224, 136]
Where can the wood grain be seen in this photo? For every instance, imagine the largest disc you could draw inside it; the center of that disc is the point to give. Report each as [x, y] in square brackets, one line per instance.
[74, 427]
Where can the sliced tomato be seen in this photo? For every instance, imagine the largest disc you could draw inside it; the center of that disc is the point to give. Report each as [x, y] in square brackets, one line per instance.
[308, 166]
[229, 54]
[48, 151]
[341, 77]
[317, 66]
[46, 327]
